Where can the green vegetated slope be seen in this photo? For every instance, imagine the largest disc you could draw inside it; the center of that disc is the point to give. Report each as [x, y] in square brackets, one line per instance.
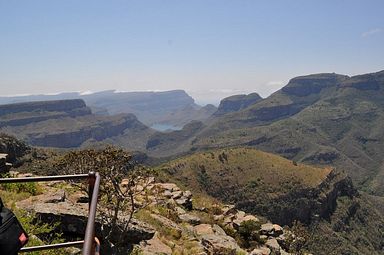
[321, 119]
[252, 179]
[338, 218]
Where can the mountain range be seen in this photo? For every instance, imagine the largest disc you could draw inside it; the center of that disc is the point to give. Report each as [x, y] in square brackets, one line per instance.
[322, 119]
[173, 108]
[310, 152]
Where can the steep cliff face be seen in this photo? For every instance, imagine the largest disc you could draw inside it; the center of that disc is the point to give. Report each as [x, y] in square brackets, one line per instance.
[312, 84]
[103, 129]
[306, 205]
[362, 82]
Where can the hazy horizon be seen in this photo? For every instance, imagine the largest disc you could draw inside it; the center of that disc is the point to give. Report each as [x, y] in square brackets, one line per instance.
[210, 49]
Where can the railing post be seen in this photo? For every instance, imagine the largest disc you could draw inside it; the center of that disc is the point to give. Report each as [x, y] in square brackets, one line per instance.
[89, 243]
[91, 187]
[89, 239]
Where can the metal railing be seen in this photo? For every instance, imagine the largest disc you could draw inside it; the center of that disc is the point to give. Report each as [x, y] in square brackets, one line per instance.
[89, 243]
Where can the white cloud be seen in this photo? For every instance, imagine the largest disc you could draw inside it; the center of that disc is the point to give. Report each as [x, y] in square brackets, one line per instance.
[84, 93]
[372, 32]
[275, 83]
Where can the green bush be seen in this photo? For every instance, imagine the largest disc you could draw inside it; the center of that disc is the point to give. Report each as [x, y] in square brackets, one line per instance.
[40, 233]
[28, 187]
[248, 233]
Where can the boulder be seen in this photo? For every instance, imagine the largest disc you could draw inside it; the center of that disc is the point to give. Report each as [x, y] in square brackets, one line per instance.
[260, 251]
[203, 229]
[273, 245]
[177, 194]
[270, 229]
[168, 186]
[167, 194]
[185, 202]
[56, 197]
[154, 246]
[219, 245]
[180, 210]
[218, 217]
[187, 194]
[229, 209]
[189, 218]
[167, 223]
[218, 230]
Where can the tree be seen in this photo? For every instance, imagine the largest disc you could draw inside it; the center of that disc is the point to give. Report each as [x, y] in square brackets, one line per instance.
[117, 201]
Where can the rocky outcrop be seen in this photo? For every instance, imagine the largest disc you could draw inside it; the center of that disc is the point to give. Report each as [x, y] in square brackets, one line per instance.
[4, 165]
[13, 147]
[219, 244]
[155, 246]
[57, 206]
[68, 210]
[362, 82]
[311, 84]
[236, 103]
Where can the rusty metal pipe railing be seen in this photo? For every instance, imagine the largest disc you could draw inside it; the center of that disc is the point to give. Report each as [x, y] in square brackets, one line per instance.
[46, 178]
[53, 246]
[89, 237]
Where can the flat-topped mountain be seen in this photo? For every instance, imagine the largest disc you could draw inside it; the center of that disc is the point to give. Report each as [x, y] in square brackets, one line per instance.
[44, 106]
[25, 113]
[236, 103]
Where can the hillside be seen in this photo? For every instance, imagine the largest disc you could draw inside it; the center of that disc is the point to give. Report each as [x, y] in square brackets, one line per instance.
[284, 191]
[167, 219]
[247, 176]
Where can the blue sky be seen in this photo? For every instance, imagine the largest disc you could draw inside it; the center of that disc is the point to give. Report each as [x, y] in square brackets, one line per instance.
[211, 49]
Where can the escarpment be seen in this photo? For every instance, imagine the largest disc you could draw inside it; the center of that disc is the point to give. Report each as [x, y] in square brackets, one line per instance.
[102, 129]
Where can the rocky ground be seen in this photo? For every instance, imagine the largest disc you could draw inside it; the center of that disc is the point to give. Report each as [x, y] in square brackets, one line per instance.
[170, 221]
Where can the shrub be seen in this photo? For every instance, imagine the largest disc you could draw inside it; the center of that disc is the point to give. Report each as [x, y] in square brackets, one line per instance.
[248, 233]
[28, 187]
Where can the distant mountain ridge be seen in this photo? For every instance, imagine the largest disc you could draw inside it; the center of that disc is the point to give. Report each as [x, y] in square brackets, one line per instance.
[173, 107]
[66, 124]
